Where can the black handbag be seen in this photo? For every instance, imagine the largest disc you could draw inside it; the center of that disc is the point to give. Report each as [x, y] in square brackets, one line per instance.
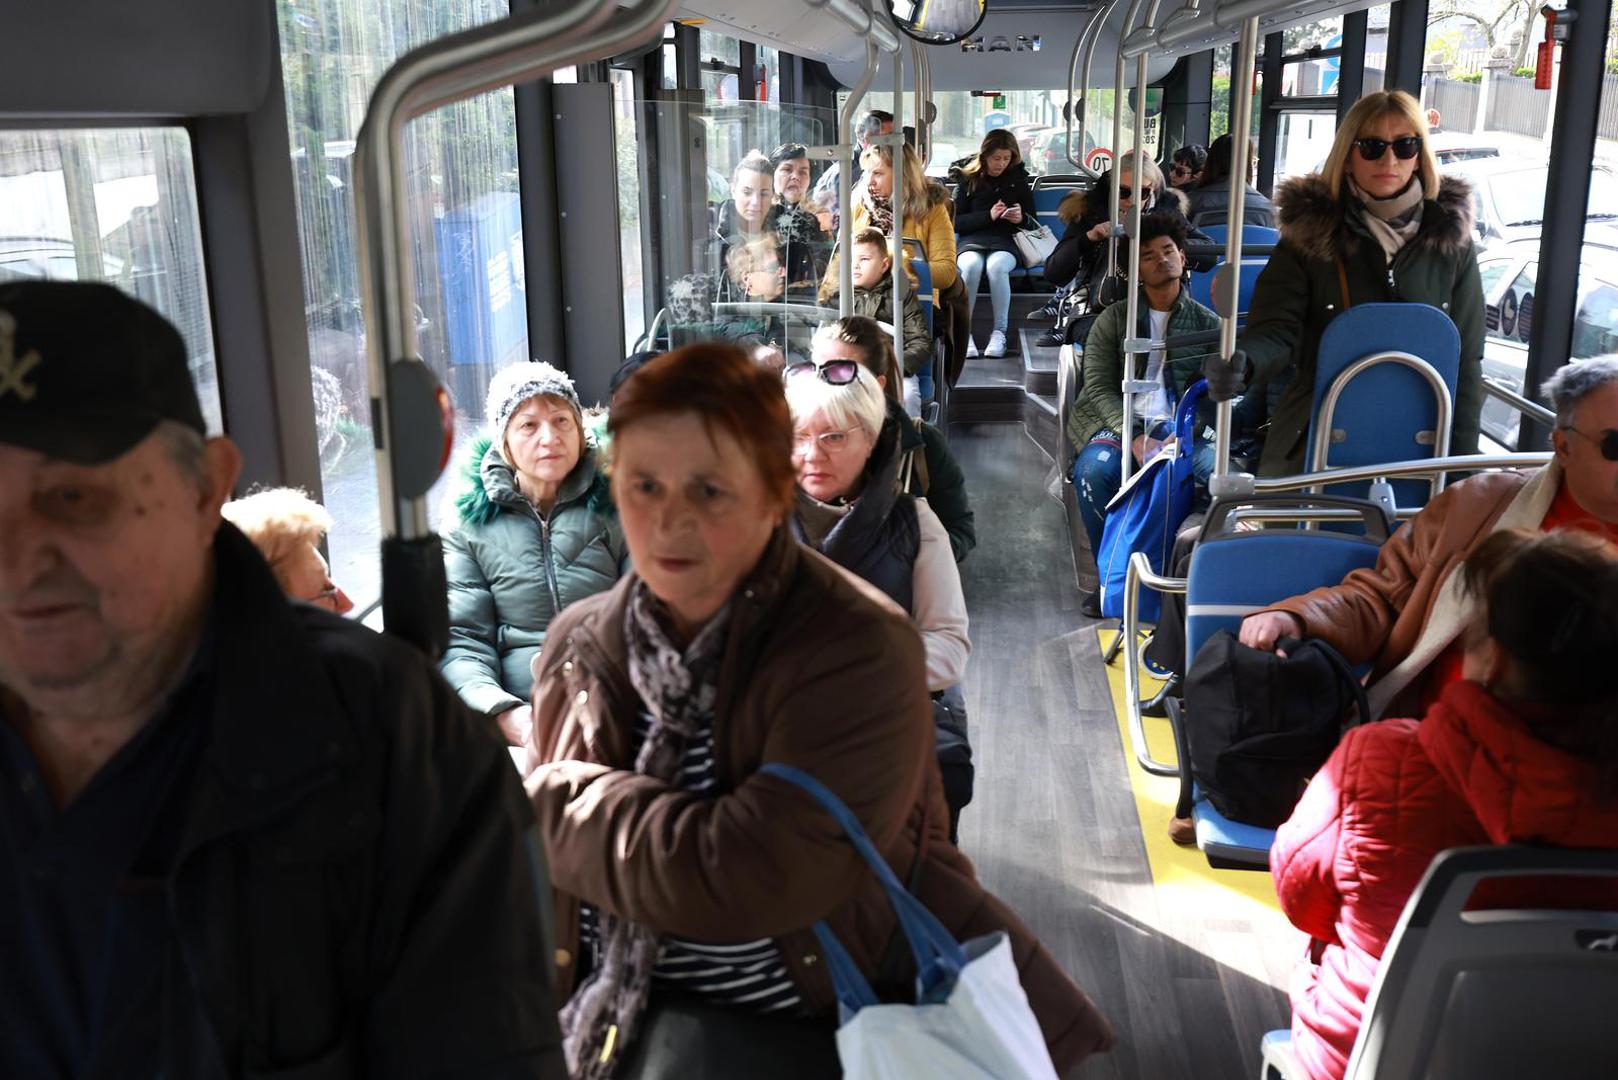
[1258, 726]
[684, 1036]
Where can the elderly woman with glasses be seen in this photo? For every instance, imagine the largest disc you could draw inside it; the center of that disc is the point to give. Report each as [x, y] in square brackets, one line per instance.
[1378, 224]
[688, 881]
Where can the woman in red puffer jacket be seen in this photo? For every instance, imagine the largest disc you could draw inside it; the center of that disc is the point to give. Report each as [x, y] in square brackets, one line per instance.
[1523, 750]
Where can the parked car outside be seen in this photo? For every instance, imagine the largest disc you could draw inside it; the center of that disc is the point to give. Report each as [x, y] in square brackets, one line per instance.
[1509, 273]
[1508, 199]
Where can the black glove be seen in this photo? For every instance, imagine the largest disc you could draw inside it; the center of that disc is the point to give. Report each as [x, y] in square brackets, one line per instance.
[1226, 380]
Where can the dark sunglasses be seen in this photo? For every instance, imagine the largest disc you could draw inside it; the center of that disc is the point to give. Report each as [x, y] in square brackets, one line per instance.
[1127, 192]
[1606, 442]
[836, 372]
[1403, 148]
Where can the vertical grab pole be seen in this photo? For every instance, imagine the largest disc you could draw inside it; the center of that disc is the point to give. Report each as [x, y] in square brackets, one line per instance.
[845, 182]
[1136, 212]
[1241, 131]
[896, 245]
[1126, 456]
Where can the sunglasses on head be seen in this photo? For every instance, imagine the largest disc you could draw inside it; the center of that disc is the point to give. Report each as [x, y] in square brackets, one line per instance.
[1606, 442]
[1404, 148]
[836, 372]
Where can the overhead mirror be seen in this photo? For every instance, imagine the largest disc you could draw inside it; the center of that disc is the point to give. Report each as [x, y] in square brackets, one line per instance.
[939, 22]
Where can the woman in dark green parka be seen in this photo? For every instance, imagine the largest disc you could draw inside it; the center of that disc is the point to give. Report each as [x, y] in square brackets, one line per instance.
[1391, 229]
[537, 531]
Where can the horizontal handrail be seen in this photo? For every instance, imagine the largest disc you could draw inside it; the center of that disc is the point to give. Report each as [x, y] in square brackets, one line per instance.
[1500, 392]
[1139, 572]
[1403, 469]
[860, 19]
[1219, 251]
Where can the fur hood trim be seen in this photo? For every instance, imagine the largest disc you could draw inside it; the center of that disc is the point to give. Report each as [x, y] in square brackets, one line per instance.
[1322, 228]
[1080, 204]
[489, 485]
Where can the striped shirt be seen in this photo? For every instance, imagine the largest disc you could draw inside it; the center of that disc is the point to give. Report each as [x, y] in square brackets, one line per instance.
[751, 974]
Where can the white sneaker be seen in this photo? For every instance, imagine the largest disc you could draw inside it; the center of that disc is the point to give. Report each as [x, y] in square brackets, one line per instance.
[971, 348]
[997, 344]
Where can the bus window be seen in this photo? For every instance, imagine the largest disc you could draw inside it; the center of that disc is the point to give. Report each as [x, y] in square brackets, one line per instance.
[470, 312]
[115, 205]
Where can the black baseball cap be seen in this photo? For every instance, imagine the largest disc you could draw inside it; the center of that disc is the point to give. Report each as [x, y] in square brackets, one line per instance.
[87, 372]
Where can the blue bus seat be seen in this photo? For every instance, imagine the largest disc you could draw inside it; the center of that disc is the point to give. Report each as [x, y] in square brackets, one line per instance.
[1232, 575]
[1387, 412]
[1251, 234]
[1049, 191]
[1202, 285]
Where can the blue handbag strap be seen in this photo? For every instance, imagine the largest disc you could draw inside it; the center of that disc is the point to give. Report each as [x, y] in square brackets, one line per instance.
[1186, 415]
[939, 957]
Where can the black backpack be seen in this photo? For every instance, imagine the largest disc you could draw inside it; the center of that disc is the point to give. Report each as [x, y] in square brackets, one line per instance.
[1259, 726]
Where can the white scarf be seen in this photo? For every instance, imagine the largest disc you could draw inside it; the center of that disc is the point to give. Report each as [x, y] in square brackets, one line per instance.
[1394, 221]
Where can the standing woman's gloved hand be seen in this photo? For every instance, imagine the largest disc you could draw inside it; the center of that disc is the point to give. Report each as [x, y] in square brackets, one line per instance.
[1226, 380]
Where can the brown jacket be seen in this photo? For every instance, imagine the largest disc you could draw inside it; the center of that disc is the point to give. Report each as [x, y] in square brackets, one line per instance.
[822, 672]
[1401, 614]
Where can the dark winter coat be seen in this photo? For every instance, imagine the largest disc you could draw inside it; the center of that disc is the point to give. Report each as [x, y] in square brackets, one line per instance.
[975, 196]
[877, 304]
[1210, 205]
[512, 569]
[805, 249]
[1078, 256]
[934, 474]
[1299, 293]
[355, 892]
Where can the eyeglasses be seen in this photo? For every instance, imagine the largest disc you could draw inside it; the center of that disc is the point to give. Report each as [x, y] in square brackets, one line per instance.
[1404, 148]
[1127, 192]
[1181, 170]
[836, 372]
[1606, 442]
[831, 442]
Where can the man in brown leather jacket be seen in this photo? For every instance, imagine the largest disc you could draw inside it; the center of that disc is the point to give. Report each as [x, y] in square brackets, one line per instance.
[1405, 614]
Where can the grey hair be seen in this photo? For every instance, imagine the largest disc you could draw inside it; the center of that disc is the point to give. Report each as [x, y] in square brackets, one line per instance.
[186, 448]
[1575, 381]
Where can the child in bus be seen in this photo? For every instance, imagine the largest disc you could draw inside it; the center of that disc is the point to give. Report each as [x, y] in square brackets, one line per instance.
[873, 298]
[1523, 750]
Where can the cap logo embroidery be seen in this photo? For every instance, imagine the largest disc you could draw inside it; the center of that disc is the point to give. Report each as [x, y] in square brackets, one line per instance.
[14, 370]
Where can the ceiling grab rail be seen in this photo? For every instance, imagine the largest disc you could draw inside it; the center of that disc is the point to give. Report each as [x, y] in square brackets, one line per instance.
[859, 16]
[1241, 124]
[406, 397]
[921, 96]
[1083, 55]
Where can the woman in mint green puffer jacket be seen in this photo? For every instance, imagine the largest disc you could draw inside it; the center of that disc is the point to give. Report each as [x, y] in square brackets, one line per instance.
[536, 532]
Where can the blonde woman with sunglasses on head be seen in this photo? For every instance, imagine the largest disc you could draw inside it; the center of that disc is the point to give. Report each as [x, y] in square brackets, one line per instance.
[1381, 223]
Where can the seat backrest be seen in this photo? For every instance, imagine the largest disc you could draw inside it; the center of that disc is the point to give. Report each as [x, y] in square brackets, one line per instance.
[1234, 574]
[1486, 994]
[1205, 287]
[924, 278]
[1251, 234]
[1389, 411]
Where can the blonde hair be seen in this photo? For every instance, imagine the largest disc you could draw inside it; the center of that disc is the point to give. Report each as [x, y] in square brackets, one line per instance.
[278, 521]
[1148, 168]
[1366, 111]
[918, 200]
[856, 404]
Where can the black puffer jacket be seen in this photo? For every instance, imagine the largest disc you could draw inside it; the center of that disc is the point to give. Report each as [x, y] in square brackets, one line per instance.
[975, 196]
[1078, 256]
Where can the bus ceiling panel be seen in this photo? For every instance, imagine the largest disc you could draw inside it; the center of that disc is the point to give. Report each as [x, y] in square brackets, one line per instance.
[1189, 30]
[111, 58]
[1007, 60]
[824, 30]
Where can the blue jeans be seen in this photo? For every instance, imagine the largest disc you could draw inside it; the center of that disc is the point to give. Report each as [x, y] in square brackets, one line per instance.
[1097, 476]
[1000, 264]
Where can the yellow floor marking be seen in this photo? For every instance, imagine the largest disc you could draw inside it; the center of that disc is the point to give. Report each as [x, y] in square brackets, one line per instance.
[1181, 875]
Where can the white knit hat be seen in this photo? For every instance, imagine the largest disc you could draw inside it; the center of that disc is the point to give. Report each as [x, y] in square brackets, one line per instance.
[516, 383]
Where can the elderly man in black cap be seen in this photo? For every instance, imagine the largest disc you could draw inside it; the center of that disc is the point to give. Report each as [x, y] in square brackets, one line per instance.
[238, 836]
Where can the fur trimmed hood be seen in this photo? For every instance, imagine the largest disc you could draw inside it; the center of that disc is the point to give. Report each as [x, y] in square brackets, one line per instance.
[1093, 204]
[1321, 227]
[489, 484]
